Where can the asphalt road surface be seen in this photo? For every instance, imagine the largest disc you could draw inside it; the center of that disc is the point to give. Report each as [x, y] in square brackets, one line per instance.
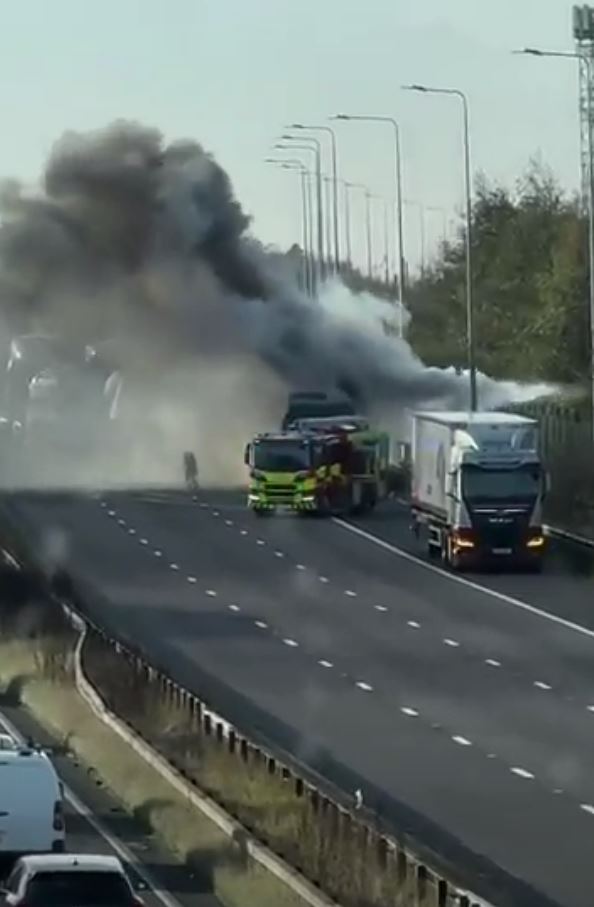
[463, 707]
[97, 823]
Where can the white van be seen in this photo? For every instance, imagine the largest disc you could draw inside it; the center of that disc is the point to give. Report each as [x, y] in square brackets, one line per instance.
[31, 803]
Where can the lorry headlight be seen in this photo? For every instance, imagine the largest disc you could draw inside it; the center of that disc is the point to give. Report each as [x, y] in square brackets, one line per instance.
[537, 541]
[462, 540]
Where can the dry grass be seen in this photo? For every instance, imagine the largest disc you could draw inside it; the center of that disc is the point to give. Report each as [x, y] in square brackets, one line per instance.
[185, 831]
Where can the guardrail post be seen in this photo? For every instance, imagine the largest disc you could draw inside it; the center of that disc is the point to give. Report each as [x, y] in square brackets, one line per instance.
[402, 865]
[208, 724]
[232, 740]
[421, 882]
[271, 765]
[243, 748]
[381, 848]
[298, 787]
[219, 731]
[442, 893]
[197, 713]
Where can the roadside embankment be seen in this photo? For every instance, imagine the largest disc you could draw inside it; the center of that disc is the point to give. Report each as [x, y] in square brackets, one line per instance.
[233, 810]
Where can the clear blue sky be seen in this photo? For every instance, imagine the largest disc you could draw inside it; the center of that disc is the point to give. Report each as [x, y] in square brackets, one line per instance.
[231, 72]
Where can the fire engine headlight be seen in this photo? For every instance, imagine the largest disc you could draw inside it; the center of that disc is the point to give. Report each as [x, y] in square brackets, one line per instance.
[308, 498]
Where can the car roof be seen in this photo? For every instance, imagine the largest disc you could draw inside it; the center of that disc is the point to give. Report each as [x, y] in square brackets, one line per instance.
[71, 862]
[23, 755]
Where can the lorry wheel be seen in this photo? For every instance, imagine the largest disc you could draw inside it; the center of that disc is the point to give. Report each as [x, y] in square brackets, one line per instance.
[451, 558]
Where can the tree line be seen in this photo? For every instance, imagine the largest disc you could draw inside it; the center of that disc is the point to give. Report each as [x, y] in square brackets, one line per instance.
[530, 282]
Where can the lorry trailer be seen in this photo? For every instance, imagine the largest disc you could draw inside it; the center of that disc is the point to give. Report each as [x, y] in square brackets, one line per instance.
[477, 488]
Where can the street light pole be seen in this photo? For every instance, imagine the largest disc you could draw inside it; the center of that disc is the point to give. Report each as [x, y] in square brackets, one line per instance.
[422, 233]
[587, 62]
[329, 131]
[328, 183]
[347, 222]
[454, 92]
[368, 233]
[318, 149]
[315, 149]
[399, 206]
[298, 166]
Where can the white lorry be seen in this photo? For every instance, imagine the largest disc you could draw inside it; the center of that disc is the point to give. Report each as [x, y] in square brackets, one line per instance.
[477, 488]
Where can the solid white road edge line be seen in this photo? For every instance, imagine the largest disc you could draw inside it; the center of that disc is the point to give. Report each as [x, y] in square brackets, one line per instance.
[118, 846]
[492, 593]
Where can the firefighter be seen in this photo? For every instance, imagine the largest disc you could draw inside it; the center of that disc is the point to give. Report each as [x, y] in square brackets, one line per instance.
[190, 471]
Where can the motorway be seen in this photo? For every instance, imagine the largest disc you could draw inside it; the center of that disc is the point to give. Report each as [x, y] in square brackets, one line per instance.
[462, 707]
[97, 823]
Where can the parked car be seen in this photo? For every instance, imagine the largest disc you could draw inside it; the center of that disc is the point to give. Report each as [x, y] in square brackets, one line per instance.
[69, 880]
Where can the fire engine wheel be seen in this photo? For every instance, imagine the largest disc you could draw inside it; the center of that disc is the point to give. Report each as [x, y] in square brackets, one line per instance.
[261, 511]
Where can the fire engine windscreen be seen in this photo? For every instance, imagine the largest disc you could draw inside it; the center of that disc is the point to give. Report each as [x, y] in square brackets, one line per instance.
[282, 456]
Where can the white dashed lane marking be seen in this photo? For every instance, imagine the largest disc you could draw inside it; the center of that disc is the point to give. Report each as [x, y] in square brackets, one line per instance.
[143, 541]
[542, 685]
[121, 522]
[301, 567]
[292, 643]
[381, 608]
[323, 579]
[588, 808]
[521, 772]
[174, 566]
[211, 593]
[243, 532]
[279, 554]
[191, 579]
[491, 594]
[260, 542]
[350, 593]
[262, 625]
[452, 643]
[111, 513]
[234, 608]
[492, 663]
[463, 741]
[131, 531]
[158, 553]
[228, 522]
[411, 713]
[325, 664]
[364, 686]
[414, 624]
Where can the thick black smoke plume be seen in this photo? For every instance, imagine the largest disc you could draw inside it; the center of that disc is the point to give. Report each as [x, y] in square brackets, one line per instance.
[139, 247]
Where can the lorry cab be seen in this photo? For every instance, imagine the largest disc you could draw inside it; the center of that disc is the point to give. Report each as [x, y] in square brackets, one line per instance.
[478, 486]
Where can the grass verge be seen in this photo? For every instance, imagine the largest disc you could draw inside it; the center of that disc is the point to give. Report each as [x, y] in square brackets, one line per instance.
[45, 687]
